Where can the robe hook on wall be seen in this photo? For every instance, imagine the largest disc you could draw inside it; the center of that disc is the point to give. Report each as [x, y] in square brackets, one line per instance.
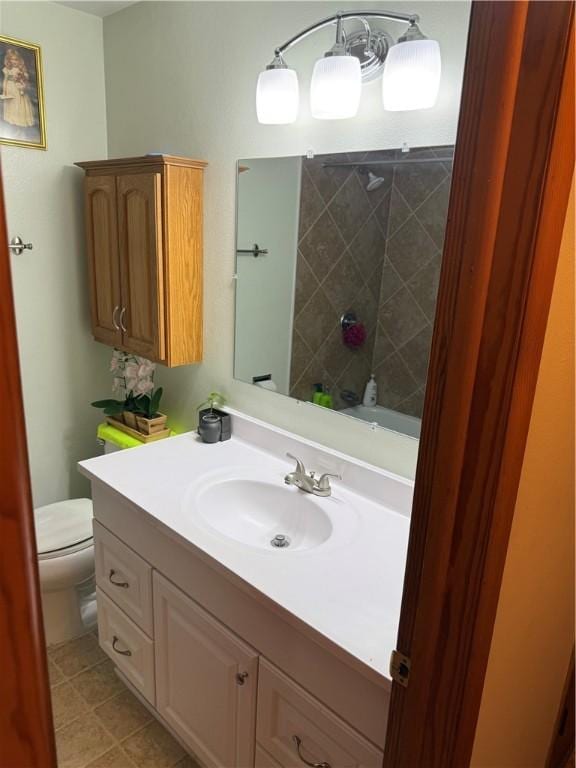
[18, 246]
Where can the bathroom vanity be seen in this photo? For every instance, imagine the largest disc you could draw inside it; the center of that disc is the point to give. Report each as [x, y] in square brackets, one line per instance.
[252, 654]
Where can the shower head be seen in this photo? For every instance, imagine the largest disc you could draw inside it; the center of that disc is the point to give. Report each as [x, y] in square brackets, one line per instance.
[373, 182]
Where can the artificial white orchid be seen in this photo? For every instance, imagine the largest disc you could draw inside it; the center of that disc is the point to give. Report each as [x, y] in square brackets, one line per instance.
[133, 384]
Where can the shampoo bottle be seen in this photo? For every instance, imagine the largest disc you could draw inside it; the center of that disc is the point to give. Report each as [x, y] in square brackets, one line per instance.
[371, 392]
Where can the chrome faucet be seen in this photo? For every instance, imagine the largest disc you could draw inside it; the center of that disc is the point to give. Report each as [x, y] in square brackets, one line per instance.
[307, 482]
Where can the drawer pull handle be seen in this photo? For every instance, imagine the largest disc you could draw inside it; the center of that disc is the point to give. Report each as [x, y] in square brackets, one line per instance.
[298, 742]
[241, 677]
[122, 653]
[123, 584]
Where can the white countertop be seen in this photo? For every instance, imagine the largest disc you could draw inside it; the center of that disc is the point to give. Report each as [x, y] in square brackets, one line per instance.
[350, 592]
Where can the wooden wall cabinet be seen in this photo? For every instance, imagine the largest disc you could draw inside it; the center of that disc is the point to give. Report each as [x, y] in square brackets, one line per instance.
[144, 241]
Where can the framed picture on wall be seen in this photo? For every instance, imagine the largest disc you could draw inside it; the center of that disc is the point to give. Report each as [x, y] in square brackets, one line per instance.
[21, 94]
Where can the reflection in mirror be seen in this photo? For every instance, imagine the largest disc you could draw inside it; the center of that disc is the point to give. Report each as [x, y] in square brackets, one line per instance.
[338, 260]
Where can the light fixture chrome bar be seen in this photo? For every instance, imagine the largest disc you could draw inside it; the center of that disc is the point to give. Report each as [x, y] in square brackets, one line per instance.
[407, 18]
[364, 163]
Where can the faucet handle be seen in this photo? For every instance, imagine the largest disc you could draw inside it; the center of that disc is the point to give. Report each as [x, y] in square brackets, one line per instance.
[323, 481]
[299, 465]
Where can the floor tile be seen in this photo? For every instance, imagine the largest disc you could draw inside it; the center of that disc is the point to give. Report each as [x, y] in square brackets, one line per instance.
[98, 684]
[54, 674]
[153, 747]
[115, 758]
[77, 655]
[81, 741]
[188, 762]
[123, 715]
[67, 704]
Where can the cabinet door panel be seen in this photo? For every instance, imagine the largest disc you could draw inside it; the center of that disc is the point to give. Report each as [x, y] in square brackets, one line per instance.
[199, 693]
[141, 263]
[294, 727]
[103, 264]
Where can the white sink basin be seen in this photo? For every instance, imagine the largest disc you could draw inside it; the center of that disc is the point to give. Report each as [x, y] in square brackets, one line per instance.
[259, 514]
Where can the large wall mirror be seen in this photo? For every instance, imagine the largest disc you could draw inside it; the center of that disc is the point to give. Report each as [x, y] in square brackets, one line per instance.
[338, 260]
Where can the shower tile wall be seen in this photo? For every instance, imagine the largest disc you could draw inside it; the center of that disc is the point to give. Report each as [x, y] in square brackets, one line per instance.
[377, 253]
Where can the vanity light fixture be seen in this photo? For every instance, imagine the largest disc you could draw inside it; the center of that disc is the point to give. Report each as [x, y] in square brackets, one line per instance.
[277, 94]
[336, 84]
[411, 70]
[411, 77]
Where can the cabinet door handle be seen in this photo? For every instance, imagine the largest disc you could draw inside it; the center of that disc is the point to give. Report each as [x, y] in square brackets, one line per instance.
[122, 314]
[123, 584]
[298, 742]
[241, 677]
[122, 653]
[114, 323]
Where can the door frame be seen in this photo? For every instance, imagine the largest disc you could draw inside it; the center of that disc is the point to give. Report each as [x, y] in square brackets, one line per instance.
[512, 174]
[26, 728]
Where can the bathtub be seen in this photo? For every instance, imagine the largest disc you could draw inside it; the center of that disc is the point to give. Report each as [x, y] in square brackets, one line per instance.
[384, 417]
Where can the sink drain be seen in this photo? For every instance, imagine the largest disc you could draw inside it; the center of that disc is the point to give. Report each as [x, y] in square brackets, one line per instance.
[280, 541]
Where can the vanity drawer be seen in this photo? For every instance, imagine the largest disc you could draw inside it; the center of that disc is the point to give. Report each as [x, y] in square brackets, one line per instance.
[263, 759]
[124, 576]
[128, 647]
[286, 712]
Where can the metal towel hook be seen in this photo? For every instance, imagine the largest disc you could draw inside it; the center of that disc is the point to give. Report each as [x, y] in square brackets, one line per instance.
[17, 245]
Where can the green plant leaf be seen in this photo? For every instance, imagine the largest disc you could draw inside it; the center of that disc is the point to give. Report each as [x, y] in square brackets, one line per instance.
[107, 403]
[114, 410]
[214, 400]
[155, 402]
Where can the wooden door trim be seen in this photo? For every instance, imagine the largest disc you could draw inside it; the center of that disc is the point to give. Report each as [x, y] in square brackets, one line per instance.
[26, 730]
[512, 174]
[562, 745]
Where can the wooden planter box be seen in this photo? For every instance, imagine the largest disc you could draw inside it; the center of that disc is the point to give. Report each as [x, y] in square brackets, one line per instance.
[151, 426]
[128, 418]
[144, 437]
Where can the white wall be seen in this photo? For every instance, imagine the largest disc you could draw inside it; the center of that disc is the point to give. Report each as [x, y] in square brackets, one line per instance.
[180, 77]
[268, 206]
[63, 370]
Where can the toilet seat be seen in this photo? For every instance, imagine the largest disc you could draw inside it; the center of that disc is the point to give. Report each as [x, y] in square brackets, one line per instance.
[63, 528]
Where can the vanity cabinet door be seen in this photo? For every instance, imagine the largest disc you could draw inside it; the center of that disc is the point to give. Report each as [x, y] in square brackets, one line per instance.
[206, 680]
[103, 264]
[141, 263]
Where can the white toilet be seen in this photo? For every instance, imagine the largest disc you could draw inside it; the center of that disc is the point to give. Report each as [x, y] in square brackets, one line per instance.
[66, 566]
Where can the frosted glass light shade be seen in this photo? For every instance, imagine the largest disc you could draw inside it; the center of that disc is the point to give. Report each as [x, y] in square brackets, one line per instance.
[335, 88]
[411, 77]
[277, 96]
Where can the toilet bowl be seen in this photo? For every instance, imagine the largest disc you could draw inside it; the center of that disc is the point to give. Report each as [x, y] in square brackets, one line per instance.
[66, 566]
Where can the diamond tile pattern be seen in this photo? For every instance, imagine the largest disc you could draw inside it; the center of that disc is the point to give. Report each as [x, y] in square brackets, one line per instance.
[98, 722]
[377, 253]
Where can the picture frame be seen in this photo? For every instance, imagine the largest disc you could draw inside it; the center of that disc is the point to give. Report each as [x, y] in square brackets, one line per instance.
[22, 117]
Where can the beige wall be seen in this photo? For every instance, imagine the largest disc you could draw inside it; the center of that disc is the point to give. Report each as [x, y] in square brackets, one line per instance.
[180, 77]
[534, 630]
[62, 368]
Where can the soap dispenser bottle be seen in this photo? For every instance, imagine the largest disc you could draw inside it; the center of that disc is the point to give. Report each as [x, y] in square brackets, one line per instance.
[370, 392]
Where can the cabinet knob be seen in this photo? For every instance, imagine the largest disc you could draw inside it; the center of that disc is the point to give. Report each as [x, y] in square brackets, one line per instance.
[241, 677]
[114, 323]
[122, 315]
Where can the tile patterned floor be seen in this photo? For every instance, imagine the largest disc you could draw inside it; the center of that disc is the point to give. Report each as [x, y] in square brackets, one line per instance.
[97, 720]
